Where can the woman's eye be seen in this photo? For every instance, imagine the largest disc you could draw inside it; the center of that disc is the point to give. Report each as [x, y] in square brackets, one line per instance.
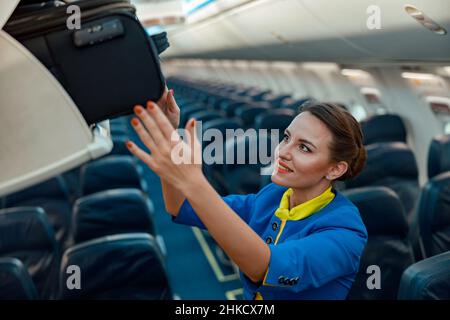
[304, 148]
[285, 138]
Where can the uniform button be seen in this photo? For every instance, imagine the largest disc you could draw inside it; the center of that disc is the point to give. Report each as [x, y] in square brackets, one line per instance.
[287, 282]
[280, 279]
[269, 240]
[274, 226]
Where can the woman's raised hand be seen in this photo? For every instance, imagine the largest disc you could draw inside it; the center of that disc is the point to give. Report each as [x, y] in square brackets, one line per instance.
[172, 159]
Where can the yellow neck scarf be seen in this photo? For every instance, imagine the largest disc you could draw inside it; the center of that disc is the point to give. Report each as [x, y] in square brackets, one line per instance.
[305, 209]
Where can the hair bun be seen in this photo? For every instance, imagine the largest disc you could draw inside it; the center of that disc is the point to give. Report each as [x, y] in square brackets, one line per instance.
[358, 164]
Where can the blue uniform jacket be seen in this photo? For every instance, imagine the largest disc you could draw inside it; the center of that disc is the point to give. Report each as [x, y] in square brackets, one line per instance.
[314, 258]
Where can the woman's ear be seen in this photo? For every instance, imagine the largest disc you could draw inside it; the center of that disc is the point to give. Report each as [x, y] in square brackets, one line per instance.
[337, 170]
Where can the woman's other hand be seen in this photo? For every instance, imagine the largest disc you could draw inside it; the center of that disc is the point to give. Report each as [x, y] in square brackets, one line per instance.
[170, 107]
[173, 159]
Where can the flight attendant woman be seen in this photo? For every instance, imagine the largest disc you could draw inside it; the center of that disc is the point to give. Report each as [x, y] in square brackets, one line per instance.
[297, 238]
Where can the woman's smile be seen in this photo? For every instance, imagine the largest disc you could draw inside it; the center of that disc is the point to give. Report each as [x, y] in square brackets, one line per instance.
[283, 167]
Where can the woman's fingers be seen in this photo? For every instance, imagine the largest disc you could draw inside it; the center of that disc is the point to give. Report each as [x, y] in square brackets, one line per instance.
[173, 106]
[141, 154]
[193, 142]
[150, 124]
[144, 135]
[161, 120]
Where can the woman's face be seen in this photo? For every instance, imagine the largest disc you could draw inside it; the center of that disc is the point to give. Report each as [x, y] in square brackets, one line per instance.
[303, 155]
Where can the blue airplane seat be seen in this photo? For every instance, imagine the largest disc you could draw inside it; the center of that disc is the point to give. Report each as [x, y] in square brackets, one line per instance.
[119, 146]
[275, 119]
[186, 114]
[206, 115]
[54, 196]
[428, 279]
[248, 113]
[229, 107]
[26, 234]
[246, 156]
[383, 128]
[276, 100]
[388, 251]
[258, 94]
[111, 172]
[119, 267]
[392, 165]
[439, 155]
[433, 215]
[216, 149]
[118, 130]
[15, 281]
[112, 212]
[297, 104]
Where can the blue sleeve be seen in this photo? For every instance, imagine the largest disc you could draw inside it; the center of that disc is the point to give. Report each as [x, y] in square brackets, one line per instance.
[313, 261]
[241, 204]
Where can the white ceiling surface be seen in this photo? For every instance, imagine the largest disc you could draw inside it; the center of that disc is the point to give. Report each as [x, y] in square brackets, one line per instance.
[315, 30]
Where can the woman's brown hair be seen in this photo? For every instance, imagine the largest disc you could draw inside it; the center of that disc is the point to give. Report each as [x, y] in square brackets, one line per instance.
[347, 144]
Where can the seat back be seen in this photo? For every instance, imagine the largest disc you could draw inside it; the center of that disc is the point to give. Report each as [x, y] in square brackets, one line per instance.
[388, 247]
[185, 114]
[439, 155]
[119, 147]
[26, 234]
[278, 119]
[111, 172]
[125, 266]
[206, 115]
[428, 279]
[112, 212]
[15, 281]
[434, 215]
[245, 156]
[216, 149]
[392, 165]
[54, 197]
[248, 113]
[383, 128]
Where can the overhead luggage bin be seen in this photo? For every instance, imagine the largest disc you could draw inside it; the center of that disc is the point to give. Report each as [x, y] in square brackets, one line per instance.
[6, 8]
[42, 132]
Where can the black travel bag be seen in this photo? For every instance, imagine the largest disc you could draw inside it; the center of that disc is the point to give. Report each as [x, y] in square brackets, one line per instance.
[107, 66]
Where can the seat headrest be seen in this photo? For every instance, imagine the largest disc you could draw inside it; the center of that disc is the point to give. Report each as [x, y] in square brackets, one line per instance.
[275, 119]
[381, 210]
[428, 279]
[222, 124]
[111, 172]
[25, 228]
[52, 188]
[125, 266]
[252, 148]
[439, 155]
[205, 115]
[119, 147]
[15, 281]
[434, 208]
[383, 128]
[112, 212]
[384, 160]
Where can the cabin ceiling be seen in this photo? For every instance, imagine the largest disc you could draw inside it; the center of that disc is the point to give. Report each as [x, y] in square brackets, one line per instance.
[314, 30]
